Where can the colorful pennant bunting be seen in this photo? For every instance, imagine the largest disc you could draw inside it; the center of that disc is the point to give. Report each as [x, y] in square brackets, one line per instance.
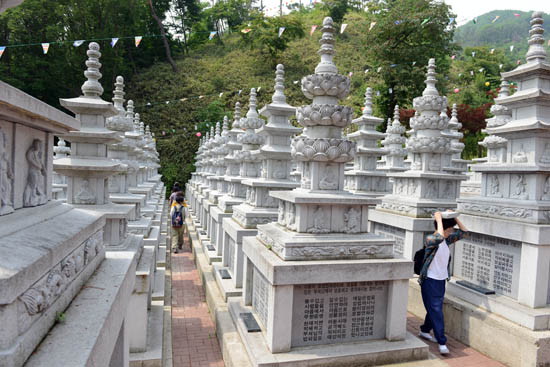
[281, 30]
[137, 40]
[2, 49]
[78, 43]
[212, 34]
[372, 24]
[114, 41]
[343, 27]
[313, 28]
[45, 47]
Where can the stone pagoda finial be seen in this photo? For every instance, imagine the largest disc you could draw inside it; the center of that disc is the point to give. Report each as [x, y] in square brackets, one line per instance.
[431, 80]
[536, 51]
[61, 150]
[368, 111]
[218, 130]
[396, 113]
[236, 121]
[147, 130]
[130, 109]
[327, 66]
[225, 125]
[91, 87]
[502, 114]
[393, 143]
[279, 96]
[252, 112]
[118, 95]
[136, 122]
[141, 128]
[454, 126]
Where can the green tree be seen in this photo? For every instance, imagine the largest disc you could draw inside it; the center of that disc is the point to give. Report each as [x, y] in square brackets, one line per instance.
[407, 33]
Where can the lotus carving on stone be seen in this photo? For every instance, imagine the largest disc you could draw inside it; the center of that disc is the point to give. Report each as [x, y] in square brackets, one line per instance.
[324, 114]
[323, 150]
[326, 85]
[424, 144]
[429, 103]
[429, 122]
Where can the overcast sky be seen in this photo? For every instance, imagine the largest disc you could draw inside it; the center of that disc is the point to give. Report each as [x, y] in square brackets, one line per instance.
[465, 9]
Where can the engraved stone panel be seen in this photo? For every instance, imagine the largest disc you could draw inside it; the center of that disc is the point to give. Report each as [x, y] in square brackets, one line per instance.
[231, 251]
[490, 262]
[339, 312]
[395, 233]
[260, 296]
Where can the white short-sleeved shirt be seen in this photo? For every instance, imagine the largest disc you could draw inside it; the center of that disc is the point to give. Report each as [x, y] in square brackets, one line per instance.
[438, 268]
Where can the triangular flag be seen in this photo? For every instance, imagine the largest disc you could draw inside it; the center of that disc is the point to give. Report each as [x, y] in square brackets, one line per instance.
[453, 57]
[500, 66]
[258, 90]
[496, 18]
[517, 15]
[519, 62]
[471, 72]
[397, 22]
[167, 102]
[474, 20]
[511, 48]
[246, 30]
[379, 69]
[425, 21]
[343, 27]
[183, 100]
[212, 34]
[366, 70]
[350, 74]
[137, 40]
[114, 41]
[473, 54]
[240, 90]
[548, 42]
[492, 51]
[481, 70]
[390, 90]
[281, 30]
[372, 24]
[459, 75]
[451, 20]
[45, 47]
[200, 97]
[413, 63]
[78, 43]
[221, 94]
[378, 93]
[393, 65]
[313, 28]
[296, 81]
[2, 48]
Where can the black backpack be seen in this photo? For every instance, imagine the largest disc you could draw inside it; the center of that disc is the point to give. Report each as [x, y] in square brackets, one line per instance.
[419, 260]
[177, 217]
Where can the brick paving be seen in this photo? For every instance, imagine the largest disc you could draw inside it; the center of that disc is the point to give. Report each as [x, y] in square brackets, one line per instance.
[461, 355]
[194, 342]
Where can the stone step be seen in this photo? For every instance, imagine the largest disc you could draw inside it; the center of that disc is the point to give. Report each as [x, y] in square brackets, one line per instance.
[154, 237]
[161, 256]
[153, 356]
[158, 286]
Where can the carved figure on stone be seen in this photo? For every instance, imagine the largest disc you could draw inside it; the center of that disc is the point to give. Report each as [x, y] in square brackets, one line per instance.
[68, 267]
[6, 177]
[520, 190]
[520, 156]
[399, 186]
[292, 217]
[413, 187]
[269, 201]
[545, 157]
[35, 190]
[448, 189]
[351, 220]
[280, 170]
[495, 186]
[281, 213]
[431, 189]
[435, 163]
[54, 283]
[319, 221]
[85, 195]
[329, 180]
[546, 192]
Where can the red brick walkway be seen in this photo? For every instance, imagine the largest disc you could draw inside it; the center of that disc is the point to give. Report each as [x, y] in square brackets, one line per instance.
[461, 355]
[194, 343]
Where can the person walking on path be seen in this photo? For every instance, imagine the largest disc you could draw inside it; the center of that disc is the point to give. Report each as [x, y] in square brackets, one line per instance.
[434, 273]
[177, 213]
[176, 189]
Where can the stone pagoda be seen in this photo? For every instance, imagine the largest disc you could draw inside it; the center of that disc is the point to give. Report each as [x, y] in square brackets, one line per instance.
[364, 178]
[393, 145]
[275, 157]
[406, 213]
[59, 184]
[452, 162]
[502, 267]
[316, 277]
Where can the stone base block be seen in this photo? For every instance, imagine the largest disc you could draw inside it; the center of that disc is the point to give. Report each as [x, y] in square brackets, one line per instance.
[486, 332]
[211, 255]
[161, 257]
[226, 286]
[141, 226]
[158, 285]
[153, 356]
[154, 237]
[369, 353]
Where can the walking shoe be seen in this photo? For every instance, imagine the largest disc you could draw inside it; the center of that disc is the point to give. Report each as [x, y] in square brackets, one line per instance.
[426, 336]
[443, 349]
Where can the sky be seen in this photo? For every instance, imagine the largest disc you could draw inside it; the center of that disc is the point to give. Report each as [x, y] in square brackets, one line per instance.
[465, 9]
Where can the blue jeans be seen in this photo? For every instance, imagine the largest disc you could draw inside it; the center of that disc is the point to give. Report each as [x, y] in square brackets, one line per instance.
[433, 292]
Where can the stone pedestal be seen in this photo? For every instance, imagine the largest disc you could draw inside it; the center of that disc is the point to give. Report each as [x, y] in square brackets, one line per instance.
[317, 278]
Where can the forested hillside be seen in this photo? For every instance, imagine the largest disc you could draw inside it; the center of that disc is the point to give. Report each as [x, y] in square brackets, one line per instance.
[222, 51]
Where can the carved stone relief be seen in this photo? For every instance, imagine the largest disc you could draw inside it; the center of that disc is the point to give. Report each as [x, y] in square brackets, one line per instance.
[6, 177]
[520, 188]
[546, 192]
[281, 213]
[545, 157]
[35, 190]
[329, 180]
[434, 163]
[494, 189]
[352, 221]
[85, 194]
[431, 189]
[319, 223]
[448, 190]
[280, 170]
[520, 156]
